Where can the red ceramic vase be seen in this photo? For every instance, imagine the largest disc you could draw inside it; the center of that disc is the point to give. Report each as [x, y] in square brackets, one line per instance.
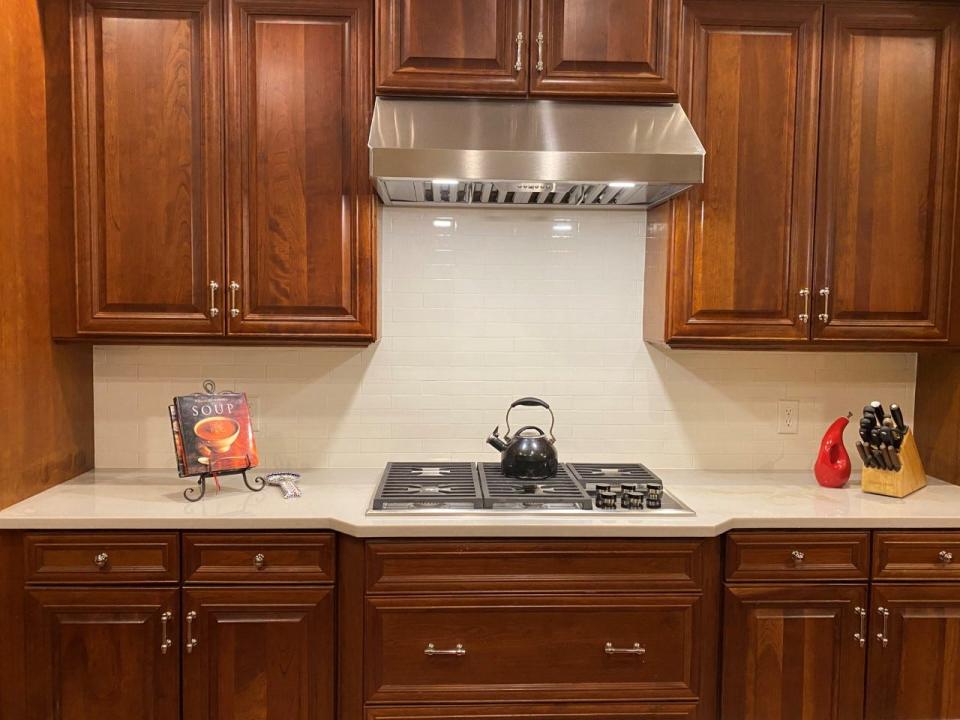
[832, 467]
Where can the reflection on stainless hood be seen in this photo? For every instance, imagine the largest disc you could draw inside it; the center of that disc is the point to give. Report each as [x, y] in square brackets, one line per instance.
[531, 153]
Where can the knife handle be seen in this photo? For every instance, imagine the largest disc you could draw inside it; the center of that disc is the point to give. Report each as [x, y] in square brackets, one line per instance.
[863, 454]
[878, 411]
[897, 414]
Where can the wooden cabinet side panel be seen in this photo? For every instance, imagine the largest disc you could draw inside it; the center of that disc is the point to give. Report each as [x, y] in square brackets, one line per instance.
[742, 241]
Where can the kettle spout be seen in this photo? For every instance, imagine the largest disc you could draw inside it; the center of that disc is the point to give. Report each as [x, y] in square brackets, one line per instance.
[495, 440]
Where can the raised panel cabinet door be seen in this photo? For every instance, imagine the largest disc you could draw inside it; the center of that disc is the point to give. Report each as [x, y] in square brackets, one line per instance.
[300, 214]
[105, 654]
[741, 245]
[914, 653]
[453, 47]
[888, 171]
[148, 167]
[262, 653]
[794, 652]
[607, 48]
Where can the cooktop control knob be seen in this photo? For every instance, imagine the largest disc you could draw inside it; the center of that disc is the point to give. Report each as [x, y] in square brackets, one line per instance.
[654, 496]
[628, 487]
[606, 500]
[605, 487]
[631, 500]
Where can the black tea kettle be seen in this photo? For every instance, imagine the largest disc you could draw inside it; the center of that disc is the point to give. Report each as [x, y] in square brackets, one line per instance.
[529, 454]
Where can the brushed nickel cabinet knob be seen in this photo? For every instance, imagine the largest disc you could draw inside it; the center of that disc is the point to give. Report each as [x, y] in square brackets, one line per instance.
[101, 560]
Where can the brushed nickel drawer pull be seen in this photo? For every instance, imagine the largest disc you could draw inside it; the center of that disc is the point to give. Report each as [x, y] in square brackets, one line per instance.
[519, 64]
[192, 642]
[214, 310]
[946, 557]
[234, 286]
[861, 637]
[101, 560]
[798, 556]
[609, 649]
[805, 315]
[165, 642]
[882, 635]
[259, 560]
[458, 650]
[825, 315]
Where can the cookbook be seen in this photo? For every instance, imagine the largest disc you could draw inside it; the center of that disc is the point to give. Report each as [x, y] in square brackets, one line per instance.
[212, 433]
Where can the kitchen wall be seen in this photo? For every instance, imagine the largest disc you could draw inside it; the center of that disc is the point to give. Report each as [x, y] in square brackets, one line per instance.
[481, 307]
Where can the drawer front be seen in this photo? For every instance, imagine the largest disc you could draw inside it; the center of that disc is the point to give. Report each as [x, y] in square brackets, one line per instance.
[536, 566]
[258, 557]
[94, 558]
[916, 556]
[532, 647]
[783, 556]
[566, 711]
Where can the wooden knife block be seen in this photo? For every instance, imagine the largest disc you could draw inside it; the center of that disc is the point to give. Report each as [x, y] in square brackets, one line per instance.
[898, 483]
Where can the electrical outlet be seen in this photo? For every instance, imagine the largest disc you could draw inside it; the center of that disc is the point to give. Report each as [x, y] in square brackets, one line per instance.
[788, 412]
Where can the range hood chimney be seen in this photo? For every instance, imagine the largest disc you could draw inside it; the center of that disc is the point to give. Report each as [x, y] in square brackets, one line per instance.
[521, 153]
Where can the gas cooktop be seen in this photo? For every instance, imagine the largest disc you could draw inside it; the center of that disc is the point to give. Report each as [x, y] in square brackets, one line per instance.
[464, 487]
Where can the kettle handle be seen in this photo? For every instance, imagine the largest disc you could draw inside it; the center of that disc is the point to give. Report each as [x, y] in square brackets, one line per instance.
[531, 402]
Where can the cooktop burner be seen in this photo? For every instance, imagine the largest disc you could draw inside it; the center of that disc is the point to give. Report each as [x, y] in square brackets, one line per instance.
[481, 487]
[502, 492]
[413, 485]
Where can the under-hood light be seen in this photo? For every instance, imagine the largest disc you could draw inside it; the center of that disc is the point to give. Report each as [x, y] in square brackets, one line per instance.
[445, 181]
[619, 184]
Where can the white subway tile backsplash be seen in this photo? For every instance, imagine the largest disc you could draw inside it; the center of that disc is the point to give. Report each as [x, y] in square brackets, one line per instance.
[498, 305]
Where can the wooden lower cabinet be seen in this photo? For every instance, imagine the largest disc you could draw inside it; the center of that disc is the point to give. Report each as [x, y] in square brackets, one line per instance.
[794, 652]
[101, 654]
[914, 663]
[264, 653]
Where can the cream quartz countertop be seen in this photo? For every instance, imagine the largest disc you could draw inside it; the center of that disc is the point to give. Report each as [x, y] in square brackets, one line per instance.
[338, 500]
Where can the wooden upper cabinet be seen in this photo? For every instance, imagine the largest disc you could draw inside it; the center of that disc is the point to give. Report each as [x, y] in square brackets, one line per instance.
[452, 47]
[102, 654]
[794, 652]
[148, 174]
[888, 171]
[258, 653]
[739, 247]
[914, 674]
[608, 48]
[299, 206]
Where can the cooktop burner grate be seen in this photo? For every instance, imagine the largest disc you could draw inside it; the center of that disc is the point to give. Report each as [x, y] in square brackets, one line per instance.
[500, 491]
[612, 473]
[447, 484]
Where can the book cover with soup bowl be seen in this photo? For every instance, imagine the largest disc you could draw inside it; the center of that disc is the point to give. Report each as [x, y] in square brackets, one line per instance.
[217, 432]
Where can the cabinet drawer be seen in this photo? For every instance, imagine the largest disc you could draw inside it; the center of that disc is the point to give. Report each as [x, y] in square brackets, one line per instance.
[101, 557]
[258, 557]
[916, 556]
[566, 711]
[493, 566]
[531, 647]
[798, 556]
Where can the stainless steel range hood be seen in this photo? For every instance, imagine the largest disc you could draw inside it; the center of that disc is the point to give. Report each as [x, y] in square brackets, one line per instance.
[531, 153]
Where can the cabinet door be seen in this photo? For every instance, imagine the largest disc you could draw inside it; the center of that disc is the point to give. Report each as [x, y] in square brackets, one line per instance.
[148, 167]
[606, 48]
[456, 47]
[794, 652]
[914, 653]
[264, 653]
[741, 242]
[888, 171]
[301, 259]
[102, 654]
